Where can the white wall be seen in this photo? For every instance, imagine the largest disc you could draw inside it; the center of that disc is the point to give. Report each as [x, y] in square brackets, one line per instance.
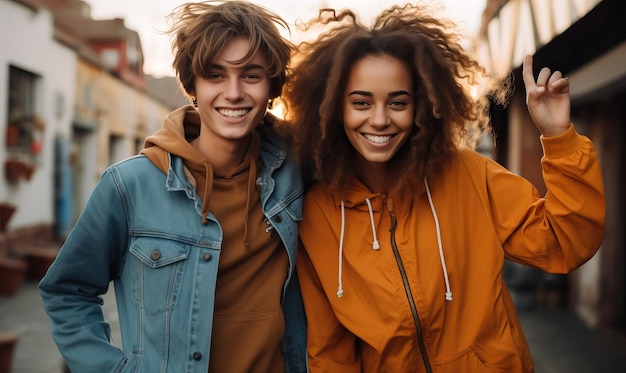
[27, 42]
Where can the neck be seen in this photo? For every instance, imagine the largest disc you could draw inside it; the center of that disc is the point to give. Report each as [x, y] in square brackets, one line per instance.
[376, 177]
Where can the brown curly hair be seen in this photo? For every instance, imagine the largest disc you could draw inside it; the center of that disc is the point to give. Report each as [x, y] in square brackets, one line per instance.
[200, 31]
[446, 115]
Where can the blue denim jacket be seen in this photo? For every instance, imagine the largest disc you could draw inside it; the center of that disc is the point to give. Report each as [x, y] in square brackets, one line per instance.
[142, 230]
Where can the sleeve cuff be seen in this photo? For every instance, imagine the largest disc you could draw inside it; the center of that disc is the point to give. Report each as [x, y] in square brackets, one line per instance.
[561, 145]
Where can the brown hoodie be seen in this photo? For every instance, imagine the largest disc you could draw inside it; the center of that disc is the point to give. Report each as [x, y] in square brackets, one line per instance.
[248, 321]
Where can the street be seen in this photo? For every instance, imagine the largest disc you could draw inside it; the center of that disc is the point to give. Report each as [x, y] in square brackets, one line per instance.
[559, 341]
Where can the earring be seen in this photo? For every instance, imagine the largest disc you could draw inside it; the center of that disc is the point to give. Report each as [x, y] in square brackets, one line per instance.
[195, 101]
[270, 104]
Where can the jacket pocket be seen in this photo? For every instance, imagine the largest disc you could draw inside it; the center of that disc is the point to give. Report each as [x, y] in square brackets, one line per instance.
[464, 361]
[294, 210]
[157, 272]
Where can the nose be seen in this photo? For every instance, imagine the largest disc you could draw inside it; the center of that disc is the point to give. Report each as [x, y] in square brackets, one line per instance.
[379, 117]
[233, 90]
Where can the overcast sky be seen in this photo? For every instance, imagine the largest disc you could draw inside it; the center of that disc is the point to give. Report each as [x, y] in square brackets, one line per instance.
[148, 18]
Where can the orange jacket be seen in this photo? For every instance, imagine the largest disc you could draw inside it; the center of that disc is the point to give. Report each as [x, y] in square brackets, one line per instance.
[393, 315]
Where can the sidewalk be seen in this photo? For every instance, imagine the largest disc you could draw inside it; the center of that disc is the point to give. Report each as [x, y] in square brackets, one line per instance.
[559, 341]
[23, 315]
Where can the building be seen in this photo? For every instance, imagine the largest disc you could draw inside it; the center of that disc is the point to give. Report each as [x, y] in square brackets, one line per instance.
[586, 41]
[36, 103]
[73, 100]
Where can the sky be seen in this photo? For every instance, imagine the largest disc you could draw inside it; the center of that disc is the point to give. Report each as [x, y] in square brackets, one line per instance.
[149, 19]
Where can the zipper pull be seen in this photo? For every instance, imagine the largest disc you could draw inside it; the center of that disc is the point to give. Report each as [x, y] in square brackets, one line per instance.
[392, 212]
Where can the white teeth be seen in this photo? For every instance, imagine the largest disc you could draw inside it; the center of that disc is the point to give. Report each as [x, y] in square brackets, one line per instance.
[377, 139]
[233, 113]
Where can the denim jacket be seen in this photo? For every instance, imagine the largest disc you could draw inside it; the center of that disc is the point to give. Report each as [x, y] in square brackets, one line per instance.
[142, 230]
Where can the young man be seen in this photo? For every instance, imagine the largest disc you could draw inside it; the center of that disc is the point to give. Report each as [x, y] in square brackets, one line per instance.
[199, 232]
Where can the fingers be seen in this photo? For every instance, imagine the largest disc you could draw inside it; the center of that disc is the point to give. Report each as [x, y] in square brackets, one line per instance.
[559, 84]
[544, 76]
[546, 80]
[554, 77]
[527, 73]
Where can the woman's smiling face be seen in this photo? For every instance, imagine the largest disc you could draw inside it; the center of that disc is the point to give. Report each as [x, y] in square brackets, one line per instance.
[378, 109]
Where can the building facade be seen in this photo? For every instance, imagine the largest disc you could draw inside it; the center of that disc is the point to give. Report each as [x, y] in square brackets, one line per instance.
[73, 100]
[36, 102]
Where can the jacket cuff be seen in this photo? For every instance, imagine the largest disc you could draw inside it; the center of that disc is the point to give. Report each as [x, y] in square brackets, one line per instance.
[561, 145]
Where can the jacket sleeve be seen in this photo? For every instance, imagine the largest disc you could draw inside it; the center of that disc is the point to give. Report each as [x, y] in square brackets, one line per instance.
[82, 272]
[330, 346]
[564, 229]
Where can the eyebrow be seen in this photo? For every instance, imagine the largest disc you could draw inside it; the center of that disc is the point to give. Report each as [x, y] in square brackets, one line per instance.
[370, 94]
[247, 67]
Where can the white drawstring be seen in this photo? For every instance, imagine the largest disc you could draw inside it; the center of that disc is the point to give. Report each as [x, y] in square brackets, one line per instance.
[443, 260]
[375, 244]
[340, 287]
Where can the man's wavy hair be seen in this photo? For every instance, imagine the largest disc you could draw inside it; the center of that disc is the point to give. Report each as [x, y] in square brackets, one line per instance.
[446, 115]
[200, 31]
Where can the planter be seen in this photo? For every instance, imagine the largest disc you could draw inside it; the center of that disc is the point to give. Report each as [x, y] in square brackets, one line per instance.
[14, 170]
[6, 212]
[12, 274]
[39, 260]
[13, 136]
[8, 341]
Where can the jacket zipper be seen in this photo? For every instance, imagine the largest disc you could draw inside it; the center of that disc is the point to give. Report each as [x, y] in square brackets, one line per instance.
[407, 288]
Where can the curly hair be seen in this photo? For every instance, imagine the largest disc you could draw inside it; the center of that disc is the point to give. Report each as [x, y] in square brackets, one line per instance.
[200, 31]
[446, 115]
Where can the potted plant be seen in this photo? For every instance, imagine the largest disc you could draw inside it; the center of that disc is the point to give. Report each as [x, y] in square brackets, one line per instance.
[12, 275]
[13, 136]
[8, 341]
[15, 169]
[6, 212]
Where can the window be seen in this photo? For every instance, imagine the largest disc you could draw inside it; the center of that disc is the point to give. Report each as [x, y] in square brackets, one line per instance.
[110, 57]
[133, 55]
[24, 126]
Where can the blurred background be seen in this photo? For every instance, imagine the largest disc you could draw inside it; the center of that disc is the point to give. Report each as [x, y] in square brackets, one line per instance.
[82, 83]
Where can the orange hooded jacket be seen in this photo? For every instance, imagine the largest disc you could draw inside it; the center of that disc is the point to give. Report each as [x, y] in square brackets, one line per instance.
[431, 297]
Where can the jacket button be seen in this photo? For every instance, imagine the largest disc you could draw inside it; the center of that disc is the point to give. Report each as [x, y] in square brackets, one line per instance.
[278, 219]
[207, 257]
[155, 255]
[197, 356]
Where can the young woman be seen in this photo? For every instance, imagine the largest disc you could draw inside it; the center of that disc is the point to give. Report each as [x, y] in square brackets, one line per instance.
[406, 227]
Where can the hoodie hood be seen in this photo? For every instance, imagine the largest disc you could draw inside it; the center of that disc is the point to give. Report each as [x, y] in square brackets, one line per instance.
[181, 127]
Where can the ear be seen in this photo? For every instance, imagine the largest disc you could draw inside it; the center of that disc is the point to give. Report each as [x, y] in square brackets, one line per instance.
[192, 97]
